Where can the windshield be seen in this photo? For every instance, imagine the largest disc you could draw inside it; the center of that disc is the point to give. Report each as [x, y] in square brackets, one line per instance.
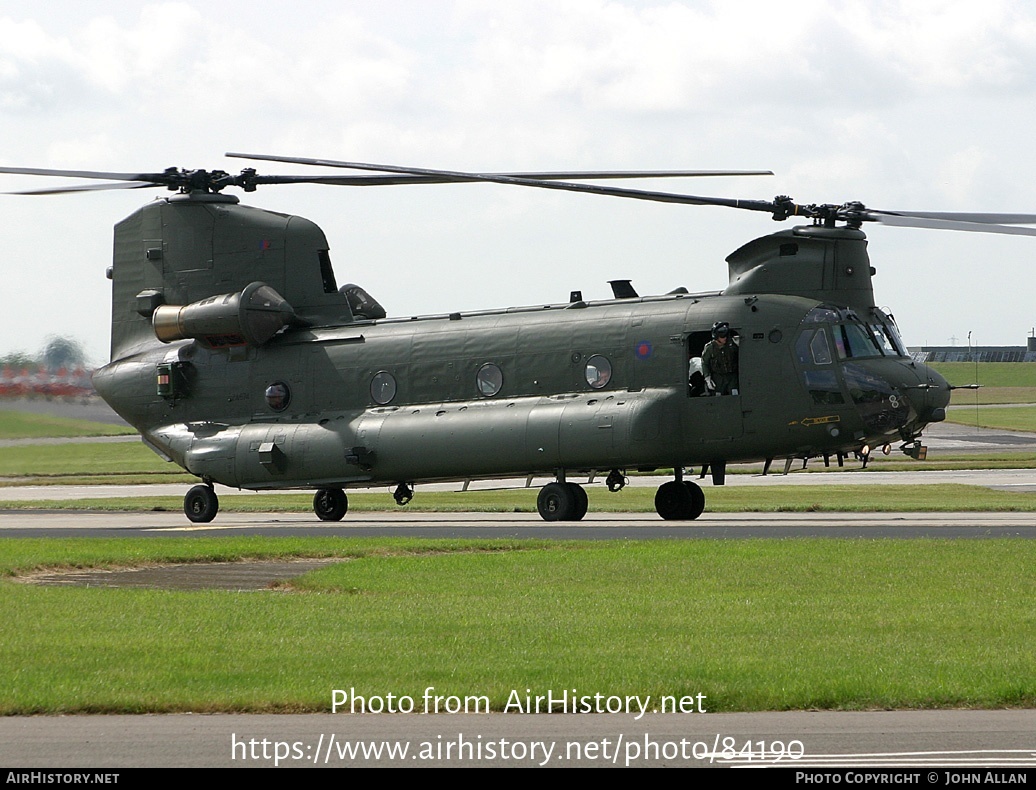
[856, 342]
[888, 333]
[855, 337]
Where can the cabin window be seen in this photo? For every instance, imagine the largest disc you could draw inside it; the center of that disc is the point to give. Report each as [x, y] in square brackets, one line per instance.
[383, 387]
[278, 396]
[598, 371]
[489, 380]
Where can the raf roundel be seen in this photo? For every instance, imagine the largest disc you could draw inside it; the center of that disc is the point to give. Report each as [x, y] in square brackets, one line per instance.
[644, 350]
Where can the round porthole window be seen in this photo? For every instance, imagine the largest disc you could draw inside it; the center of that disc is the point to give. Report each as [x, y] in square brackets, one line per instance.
[598, 371]
[489, 380]
[383, 387]
[278, 396]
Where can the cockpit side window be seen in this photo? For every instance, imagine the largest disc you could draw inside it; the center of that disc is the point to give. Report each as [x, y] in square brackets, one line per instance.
[812, 347]
[819, 348]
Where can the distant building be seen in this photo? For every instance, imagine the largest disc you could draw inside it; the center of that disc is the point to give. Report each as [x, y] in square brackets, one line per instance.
[975, 353]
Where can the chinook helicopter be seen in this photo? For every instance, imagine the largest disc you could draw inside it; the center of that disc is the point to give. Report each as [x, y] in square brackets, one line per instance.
[236, 355]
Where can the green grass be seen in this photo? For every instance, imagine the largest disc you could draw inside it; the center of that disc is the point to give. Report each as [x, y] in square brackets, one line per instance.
[992, 395]
[753, 625]
[26, 425]
[1010, 418]
[89, 458]
[989, 374]
[819, 498]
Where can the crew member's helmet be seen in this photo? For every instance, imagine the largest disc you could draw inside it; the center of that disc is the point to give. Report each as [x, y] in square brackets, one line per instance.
[720, 329]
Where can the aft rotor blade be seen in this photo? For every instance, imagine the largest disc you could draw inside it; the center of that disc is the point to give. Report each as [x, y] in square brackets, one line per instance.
[943, 224]
[500, 178]
[85, 188]
[39, 171]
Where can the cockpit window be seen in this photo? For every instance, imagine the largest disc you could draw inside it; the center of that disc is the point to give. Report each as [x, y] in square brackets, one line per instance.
[812, 347]
[856, 341]
[819, 348]
[821, 315]
[891, 342]
[884, 341]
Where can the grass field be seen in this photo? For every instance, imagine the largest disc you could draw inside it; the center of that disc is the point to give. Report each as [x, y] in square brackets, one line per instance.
[993, 395]
[1008, 418]
[88, 459]
[988, 374]
[27, 425]
[753, 625]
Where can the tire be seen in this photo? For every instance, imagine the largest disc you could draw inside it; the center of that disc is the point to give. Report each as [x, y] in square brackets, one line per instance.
[201, 504]
[330, 504]
[673, 501]
[582, 503]
[697, 499]
[557, 502]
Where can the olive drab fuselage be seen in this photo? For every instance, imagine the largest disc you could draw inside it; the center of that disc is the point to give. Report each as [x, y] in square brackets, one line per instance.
[267, 378]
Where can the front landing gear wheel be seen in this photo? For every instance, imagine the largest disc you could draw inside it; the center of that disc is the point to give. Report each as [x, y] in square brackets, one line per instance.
[201, 504]
[679, 500]
[697, 499]
[330, 504]
[558, 502]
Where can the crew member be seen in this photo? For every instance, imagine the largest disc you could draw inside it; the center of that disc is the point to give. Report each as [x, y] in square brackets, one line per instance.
[719, 361]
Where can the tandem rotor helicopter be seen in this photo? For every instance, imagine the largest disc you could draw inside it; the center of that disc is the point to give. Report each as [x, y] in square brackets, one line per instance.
[235, 354]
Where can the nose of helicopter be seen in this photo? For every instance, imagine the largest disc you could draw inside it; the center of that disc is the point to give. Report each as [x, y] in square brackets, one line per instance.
[929, 396]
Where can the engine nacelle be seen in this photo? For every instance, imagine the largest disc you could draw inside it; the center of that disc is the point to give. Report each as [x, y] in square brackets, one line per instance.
[248, 318]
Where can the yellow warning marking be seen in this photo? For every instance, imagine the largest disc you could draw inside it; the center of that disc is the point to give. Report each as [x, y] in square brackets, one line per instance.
[808, 421]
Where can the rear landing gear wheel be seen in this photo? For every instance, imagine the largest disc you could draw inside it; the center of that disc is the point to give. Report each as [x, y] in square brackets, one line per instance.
[679, 500]
[558, 502]
[582, 503]
[201, 504]
[330, 504]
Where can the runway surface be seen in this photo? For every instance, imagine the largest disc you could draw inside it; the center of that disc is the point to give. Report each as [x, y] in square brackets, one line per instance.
[939, 746]
[596, 526]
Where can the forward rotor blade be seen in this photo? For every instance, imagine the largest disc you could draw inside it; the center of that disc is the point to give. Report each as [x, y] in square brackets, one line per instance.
[363, 181]
[960, 216]
[424, 175]
[943, 224]
[500, 178]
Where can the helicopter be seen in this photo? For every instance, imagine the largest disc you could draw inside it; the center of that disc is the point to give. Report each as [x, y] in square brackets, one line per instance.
[236, 354]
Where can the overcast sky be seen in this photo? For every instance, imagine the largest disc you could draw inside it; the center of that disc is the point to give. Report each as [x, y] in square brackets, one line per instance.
[902, 105]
